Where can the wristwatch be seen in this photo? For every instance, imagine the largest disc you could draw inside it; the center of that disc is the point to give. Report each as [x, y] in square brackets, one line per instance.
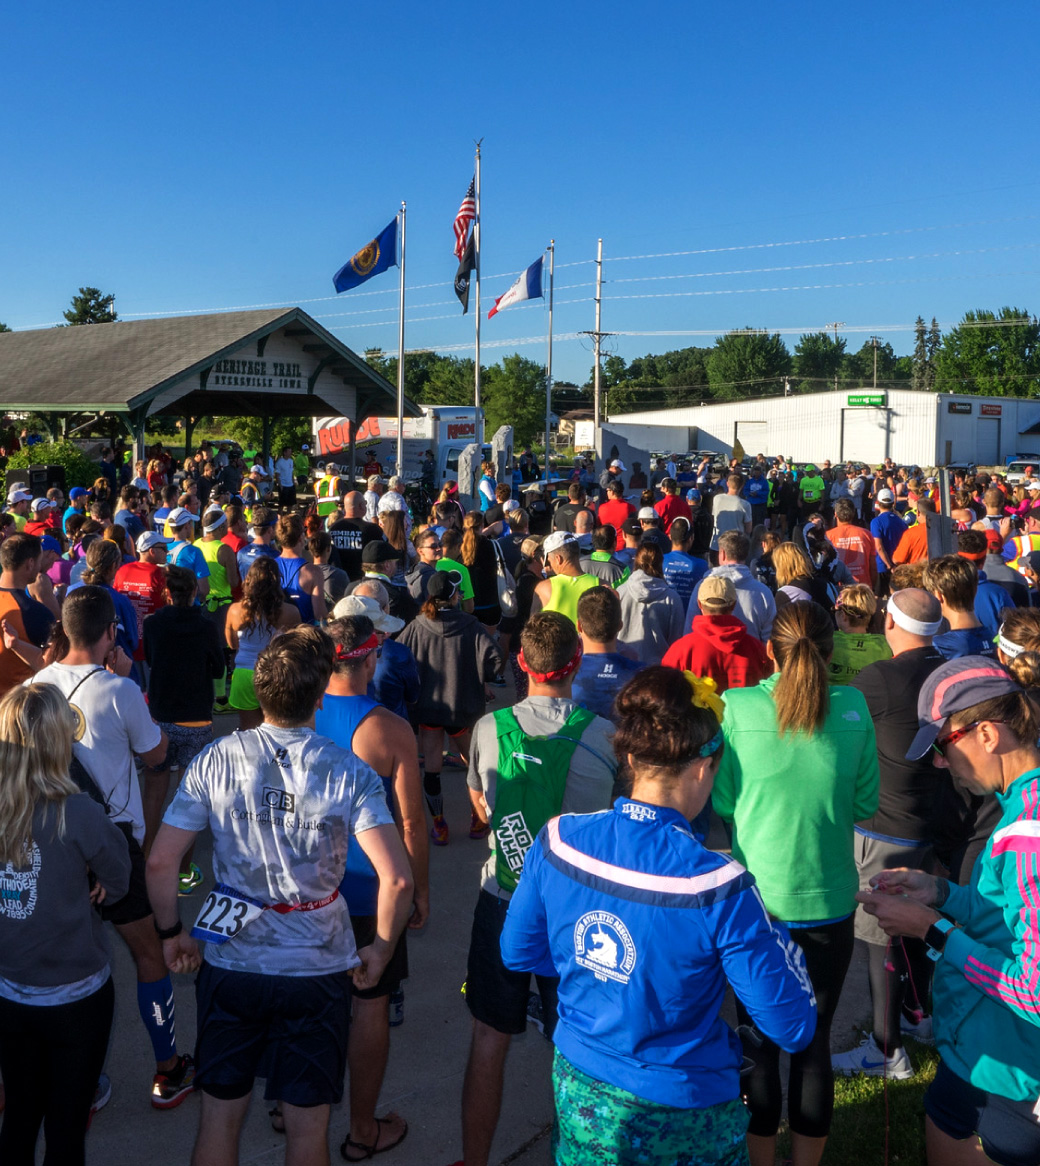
[935, 937]
[165, 933]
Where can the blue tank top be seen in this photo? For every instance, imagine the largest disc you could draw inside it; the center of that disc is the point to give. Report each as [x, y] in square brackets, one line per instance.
[338, 719]
[289, 570]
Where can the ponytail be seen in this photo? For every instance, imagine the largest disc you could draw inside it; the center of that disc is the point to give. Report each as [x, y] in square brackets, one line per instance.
[803, 640]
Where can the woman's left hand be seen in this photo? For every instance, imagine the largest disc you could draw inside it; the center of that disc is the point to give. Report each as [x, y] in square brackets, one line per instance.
[898, 914]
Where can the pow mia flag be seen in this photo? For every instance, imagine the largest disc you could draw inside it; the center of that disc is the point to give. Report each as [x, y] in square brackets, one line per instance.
[466, 265]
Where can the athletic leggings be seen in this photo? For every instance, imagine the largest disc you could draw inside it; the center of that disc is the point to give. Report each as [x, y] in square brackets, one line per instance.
[51, 1059]
[810, 1100]
[900, 980]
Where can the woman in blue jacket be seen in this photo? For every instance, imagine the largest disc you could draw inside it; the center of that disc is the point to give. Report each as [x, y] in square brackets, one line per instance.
[985, 937]
[645, 927]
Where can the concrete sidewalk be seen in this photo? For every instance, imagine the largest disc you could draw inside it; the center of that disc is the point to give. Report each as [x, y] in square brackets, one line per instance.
[428, 1052]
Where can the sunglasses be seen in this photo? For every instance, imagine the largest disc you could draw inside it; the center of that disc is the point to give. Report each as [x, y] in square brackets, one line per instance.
[941, 744]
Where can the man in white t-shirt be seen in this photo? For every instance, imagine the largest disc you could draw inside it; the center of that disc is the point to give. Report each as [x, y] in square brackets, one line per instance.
[273, 993]
[112, 725]
[729, 511]
[285, 476]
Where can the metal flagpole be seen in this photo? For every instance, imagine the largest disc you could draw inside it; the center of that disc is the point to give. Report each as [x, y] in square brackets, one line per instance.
[548, 363]
[476, 257]
[400, 359]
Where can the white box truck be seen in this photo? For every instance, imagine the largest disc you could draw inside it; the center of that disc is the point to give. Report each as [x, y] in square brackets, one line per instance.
[444, 429]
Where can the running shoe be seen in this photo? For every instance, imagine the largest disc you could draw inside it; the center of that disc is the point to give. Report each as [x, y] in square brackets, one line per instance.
[453, 759]
[478, 828]
[102, 1096]
[439, 832]
[169, 1089]
[536, 1013]
[869, 1060]
[918, 1026]
[188, 882]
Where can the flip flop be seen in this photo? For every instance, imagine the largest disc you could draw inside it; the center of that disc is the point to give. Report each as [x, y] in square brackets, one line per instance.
[366, 1152]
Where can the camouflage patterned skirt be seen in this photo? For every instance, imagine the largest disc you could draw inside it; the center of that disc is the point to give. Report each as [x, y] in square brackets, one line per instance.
[599, 1123]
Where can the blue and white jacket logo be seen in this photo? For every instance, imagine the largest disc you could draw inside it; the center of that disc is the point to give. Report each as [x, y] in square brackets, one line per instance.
[603, 945]
[639, 813]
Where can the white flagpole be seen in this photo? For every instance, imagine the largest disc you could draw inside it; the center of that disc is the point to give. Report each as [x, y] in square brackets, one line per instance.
[476, 256]
[400, 357]
[548, 363]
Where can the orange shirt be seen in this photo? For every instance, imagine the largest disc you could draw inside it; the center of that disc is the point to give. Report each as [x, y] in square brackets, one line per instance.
[913, 546]
[855, 547]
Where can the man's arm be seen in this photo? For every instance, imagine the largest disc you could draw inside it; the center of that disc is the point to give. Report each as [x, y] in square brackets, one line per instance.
[181, 953]
[383, 848]
[394, 736]
[226, 558]
[542, 595]
[882, 554]
[314, 581]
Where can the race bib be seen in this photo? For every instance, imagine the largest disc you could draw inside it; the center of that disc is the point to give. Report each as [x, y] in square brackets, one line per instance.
[224, 915]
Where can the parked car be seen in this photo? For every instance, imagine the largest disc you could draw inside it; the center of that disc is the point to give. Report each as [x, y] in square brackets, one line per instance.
[1016, 471]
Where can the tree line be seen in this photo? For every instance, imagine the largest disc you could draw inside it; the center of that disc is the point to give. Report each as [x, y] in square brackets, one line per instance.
[988, 353]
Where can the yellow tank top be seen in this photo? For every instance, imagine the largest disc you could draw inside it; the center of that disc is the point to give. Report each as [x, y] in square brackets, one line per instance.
[219, 588]
[566, 591]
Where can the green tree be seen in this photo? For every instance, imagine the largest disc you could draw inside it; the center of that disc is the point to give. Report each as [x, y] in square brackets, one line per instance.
[514, 394]
[249, 431]
[996, 355]
[858, 367]
[747, 363]
[4, 327]
[91, 306]
[818, 359]
[79, 469]
[921, 377]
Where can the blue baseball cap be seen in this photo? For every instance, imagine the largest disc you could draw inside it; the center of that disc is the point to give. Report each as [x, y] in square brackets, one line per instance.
[78, 492]
[48, 543]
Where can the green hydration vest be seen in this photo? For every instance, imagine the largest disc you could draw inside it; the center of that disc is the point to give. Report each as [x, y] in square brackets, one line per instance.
[532, 774]
[566, 591]
[219, 587]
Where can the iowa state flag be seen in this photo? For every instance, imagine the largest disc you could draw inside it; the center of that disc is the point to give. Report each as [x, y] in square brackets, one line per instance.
[377, 256]
[527, 287]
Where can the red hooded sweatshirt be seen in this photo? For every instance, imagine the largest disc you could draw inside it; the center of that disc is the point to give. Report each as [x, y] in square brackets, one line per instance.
[720, 647]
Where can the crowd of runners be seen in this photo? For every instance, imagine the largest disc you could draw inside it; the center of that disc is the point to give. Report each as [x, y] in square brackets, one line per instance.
[765, 657]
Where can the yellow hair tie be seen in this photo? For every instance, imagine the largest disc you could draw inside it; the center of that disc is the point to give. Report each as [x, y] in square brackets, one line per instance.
[704, 695]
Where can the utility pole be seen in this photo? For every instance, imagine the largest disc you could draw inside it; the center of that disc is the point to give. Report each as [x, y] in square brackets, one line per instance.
[875, 341]
[597, 336]
[838, 324]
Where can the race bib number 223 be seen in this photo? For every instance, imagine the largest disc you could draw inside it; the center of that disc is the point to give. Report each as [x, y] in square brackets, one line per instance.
[224, 915]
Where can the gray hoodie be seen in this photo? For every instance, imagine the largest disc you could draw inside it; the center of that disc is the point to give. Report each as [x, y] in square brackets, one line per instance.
[651, 616]
[756, 607]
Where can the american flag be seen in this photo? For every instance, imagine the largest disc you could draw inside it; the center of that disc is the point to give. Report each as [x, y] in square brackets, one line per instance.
[467, 213]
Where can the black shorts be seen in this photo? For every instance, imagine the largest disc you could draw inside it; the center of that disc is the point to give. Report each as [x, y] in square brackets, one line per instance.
[1008, 1130]
[292, 1030]
[134, 905]
[396, 970]
[286, 497]
[495, 995]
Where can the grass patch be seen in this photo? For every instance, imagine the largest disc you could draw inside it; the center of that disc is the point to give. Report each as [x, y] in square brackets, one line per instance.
[857, 1135]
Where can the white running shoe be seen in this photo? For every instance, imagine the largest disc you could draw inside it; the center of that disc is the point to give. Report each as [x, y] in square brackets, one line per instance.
[869, 1060]
[921, 1030]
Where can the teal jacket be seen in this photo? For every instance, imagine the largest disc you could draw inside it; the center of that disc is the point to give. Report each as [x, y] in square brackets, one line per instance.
[793, 800]
[986, 993]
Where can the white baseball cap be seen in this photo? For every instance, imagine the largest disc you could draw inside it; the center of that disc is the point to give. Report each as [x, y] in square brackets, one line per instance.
[617, 465]
[885, 496]
[16, 495]
[509, 506]
[647, 514]
[148, 540]
[367, 605]
[557, 541]
[258, 470]
[41, 504]
[179, 516]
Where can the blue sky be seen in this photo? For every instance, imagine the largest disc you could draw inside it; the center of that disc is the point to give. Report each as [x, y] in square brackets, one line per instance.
[204, 157]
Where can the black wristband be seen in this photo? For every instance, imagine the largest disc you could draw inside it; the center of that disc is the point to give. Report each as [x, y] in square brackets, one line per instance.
[165, 933]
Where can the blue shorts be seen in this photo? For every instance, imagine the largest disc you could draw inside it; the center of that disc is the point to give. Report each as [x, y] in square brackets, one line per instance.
[292, 1030]
[1009, 1130]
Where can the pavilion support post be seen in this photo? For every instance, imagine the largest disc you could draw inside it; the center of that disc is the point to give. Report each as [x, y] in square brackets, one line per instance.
[352, 471]
[189, 433]
[266, 440]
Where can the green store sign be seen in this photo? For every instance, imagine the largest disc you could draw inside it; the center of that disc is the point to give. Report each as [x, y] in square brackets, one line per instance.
[874, 400]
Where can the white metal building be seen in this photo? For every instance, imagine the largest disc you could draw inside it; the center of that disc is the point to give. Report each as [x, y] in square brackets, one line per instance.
[912, 428]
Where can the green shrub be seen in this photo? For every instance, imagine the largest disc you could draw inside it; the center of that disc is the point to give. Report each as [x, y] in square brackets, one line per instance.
[79, 469]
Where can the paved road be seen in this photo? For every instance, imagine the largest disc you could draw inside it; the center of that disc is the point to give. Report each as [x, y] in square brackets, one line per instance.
[428, 1052]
